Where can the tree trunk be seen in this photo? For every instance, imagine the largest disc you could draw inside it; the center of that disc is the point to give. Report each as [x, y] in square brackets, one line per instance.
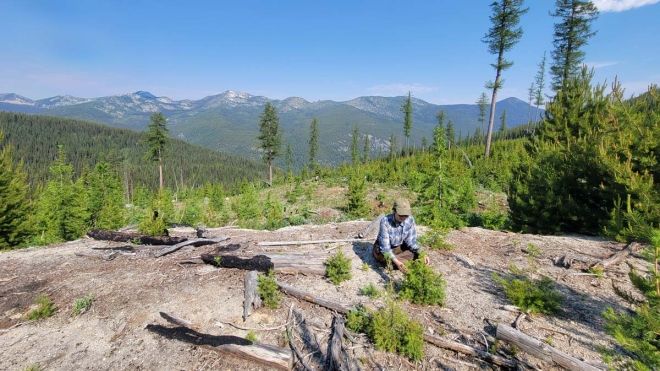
[540, 349]
[617, 258]
[465, 349]
[302, 295]
[291, 263]
[160, 169]
[491, 119]
[270, 173]
[103, 235]
[194, 242]
[338, 358]
[251, 299]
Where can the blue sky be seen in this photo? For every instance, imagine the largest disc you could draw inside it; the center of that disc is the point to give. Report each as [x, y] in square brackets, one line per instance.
[313, 49]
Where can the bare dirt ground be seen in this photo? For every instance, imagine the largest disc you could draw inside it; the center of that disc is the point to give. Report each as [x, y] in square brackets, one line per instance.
[130, 291]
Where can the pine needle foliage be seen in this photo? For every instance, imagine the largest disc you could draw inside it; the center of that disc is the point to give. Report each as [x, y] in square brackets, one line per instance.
[45, 308]
[421, 285]
[357, 193]
[269, 137]
[268, 290]
[370, 291]
[638, 332]
[531, 296]
[14, 200]
[338, 268]
[82, 305]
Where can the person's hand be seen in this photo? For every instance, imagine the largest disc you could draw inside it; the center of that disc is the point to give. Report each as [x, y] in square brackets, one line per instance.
[400, 265]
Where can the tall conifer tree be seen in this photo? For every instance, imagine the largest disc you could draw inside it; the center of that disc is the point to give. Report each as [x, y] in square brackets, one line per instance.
[539, 84]
[407, 110]
[14, 201]
[313, 144]
[270, 137]
[355, 152]
[366, 149]
[157, 139]
[501, 37]
[482, 103]
[572, 32]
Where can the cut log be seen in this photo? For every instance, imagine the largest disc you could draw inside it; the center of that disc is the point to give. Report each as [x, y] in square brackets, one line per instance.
[291, 263]
[307, 242]
[540, 349]
[617, 257]
[468, 350]
[251, 300]
[268, 355]
[338, 359]
[194, 242]
[133, 237]
[302, 295]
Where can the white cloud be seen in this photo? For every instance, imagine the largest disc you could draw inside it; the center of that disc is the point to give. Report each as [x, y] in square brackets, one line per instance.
[621, 5]
[597, 65]
[401, 89]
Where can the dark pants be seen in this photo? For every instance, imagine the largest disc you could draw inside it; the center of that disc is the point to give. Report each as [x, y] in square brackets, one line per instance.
[402, 252]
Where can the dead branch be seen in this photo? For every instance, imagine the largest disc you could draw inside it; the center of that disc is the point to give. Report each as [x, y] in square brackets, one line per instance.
[132, 237]
[290, 263]
[106, 257]
[617, 257]
[540, 349]
[194, 242]
[302, 295]
[466, 349]
[307, 242]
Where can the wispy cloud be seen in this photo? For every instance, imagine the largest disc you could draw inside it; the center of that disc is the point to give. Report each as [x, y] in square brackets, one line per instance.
[597, 65]
[401, 89]
[621, 5]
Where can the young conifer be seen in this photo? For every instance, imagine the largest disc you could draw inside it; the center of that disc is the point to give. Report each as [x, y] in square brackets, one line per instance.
[156, 140]
[14, 201]
[270, 137]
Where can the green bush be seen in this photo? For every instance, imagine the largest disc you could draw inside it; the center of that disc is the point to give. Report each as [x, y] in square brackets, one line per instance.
[274, 213]
[390, 329]
[157, 217]
[638, 332]
[531, 296]
[370, 290]
[45, 308]
[338, 268]
[421, 285]
[82, 305]
[248, 207]
[251, 337]
[435, 240]
[268, 290]
[357, 194]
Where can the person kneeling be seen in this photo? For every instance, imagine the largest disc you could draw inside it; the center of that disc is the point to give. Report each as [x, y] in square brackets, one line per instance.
[397, 237]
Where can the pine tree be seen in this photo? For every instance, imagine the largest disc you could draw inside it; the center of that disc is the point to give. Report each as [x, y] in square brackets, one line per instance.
[501, 37]
[14, 201]
[61, 213]
[313, 145]
[482, 103]
[366, 149]
[157, 139]
[105, 199]
[440, 143]
[451, 135]
[270, 137]
[407, 110]
[357, 194]
[289, 160]
[392, 153]
[572, 32]
[539, 84]
[530, 93]
[355, 152]
[502, 130]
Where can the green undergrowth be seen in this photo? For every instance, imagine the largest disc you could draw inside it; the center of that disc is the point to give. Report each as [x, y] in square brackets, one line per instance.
[338, 268]
[390, 329]
[82, 305]
[421, 285]
[268, 290]
[531, 296]
[45, 308]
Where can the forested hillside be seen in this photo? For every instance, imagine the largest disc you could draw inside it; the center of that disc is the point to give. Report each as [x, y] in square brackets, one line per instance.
[35, 140]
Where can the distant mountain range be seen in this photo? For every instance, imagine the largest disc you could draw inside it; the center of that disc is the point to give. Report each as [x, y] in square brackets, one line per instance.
[228, 122]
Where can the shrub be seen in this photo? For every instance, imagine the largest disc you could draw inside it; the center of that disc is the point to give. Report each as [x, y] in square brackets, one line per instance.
[82, 305]
[390, 329]
[268, 290]
[393, 331]
[531, 296]
[435, 239]
[533, 250]
[155, 220]
[338, 268]
[637, 333]
[422, 285]
[370, 290]
[45, 308]
[357, 194]
[247, 207]
[274, 213]
[251, 337]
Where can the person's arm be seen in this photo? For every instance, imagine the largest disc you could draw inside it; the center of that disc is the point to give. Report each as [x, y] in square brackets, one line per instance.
[384, 239]
[411, 240]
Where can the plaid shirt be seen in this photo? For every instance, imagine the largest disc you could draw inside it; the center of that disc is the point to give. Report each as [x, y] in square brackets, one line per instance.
[393, 233]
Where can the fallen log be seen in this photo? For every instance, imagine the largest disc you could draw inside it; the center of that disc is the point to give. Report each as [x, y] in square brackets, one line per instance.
[251, 300]
[540, 349]
[133, 237]
[307, 242]
[617, 257]
[265, 354]
[281, 263]
[338, 359]
[302, 295]
[195, 242]
[468, 350]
